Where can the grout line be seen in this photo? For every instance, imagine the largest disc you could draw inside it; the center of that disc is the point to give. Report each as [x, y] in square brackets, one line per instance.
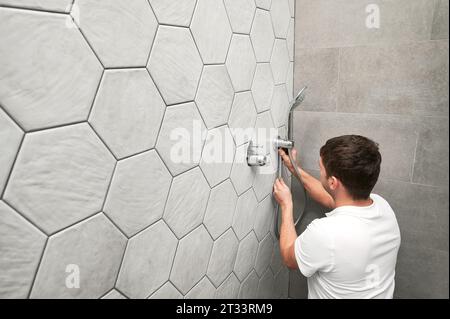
[37, 10]
[411, 179]
[13, 165]
[102, 76]
[37, 268]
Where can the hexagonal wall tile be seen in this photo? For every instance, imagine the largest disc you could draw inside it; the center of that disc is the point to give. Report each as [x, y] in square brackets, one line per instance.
[11, 136]
[264, 255]
[50, 5]
[246, 256]
[229, 289]
[203, 290]
[138, 192]
[175, 64]
[187, 202]
[167, 291]
[281, 287]
[218, 155]
[266, 286]
[181, 138]
[211, 30]
[21, 248]
[93, 249]
[60, 176]
[114, 294]
[249, 287]
[244, 217]
[243, 117]
[215, 95]
[174, 12]
[262, 35]
[279, 61]
[281, 15]
[147, 261]
[264, 4]
[220, 210]
[241, 14]
[280, 105]
[223, 257]
[57, 71]
[262, 87]
[191, 260]
[290, 39]
[121, 33]
[128, 111]
[264, 217]
[290, 81]
[292, 7]
[241, 62]
[242, 175]
[277, 262]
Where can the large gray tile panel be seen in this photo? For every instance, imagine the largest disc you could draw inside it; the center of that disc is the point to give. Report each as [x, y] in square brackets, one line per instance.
[440, 20]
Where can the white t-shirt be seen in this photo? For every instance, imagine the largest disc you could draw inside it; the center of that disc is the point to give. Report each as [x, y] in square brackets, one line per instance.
[351, 253]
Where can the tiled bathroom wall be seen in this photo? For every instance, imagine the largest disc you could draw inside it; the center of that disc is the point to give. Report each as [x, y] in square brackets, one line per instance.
[389, 84]
[92, 203]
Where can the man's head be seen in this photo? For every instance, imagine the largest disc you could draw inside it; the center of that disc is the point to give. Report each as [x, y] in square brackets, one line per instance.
[350, 162]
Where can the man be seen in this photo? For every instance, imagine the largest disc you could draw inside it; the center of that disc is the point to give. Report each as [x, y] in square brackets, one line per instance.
[352, 252]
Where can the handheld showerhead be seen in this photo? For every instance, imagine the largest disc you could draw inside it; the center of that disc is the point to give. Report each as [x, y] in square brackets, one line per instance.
[298, 98]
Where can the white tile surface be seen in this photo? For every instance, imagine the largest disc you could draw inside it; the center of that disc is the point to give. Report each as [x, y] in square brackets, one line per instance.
[241, 14]
[241, 62]
[262, 35]
[262, 87]
[223, 257]
[174, 12]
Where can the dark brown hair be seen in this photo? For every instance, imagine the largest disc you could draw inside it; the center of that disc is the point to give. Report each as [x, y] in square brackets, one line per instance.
[354, 160]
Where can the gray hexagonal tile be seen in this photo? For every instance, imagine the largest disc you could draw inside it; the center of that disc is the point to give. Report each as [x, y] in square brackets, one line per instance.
[181, 138]
[263, 4]
[264, 256]
[114, 294]
[60, 176]
[244, 217]
[280, 105]
[249, 287]
[243, 117]
[281, 286]
[242, 175]
[167, 291]
[292, 7]
[57, 82]
[281, 15]
[211, 30]
[50, 5]
[266, 286]
[246, 256]
[93, 249]
[191, 260]
[290, 81]
[174, 12]
[128, 111]
[118, 39]
[290, 39]
[262, 87]
[241, 14]
[187, 202]
[262, 35]
[215, 95]
[138, 192]
[223, 257]
[264, 216]
[241, 62]
[21, 248]
[11, 136]
[203, 290]
[175, 64]
[147, 261]
[229, 289]
[277, 262]
[279, 61]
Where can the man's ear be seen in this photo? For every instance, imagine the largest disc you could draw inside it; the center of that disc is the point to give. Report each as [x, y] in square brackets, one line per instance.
[333, 183]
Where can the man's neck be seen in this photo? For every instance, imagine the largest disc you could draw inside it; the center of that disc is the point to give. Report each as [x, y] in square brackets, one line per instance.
[346, 201]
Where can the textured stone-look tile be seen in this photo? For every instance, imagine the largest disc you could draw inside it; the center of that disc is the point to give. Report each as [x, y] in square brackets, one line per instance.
[121, 33]
[191, 260]
[138, 192]
[215, 95]
[211, 30]
[292, 8]
[290, 81]
[266, 286]
[264, 255]
[21, 246]
[389, 79]
[263, 4]
[298, 286]
[167, 291]
[187, 202]
[264, 216]
[223, 257]
[48, 74]
[147, 261]
[220, 209]
[229, 289]
[279, 61]
[241, 62]
[241, 14]
[11, 136]
[51, 5]
[319, 70]
[281, 287]
[280, 105]
[203, 290]
[290, 39]
[60, 176]
[128, 111]
[249, 287]
[181, 138]
[114, 294]
[276, 262]
[92, 249]
[244, 216]
[175, 64]
[246, 256]
[396, 137]
[218, 155]
[243, 117]
[174, 12]
[262, 35]
[242, 175]
[281, 15]
[262, 87]
[440, 20]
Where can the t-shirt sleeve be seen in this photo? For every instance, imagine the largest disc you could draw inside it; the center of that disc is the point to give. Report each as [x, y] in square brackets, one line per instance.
[314, 249]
